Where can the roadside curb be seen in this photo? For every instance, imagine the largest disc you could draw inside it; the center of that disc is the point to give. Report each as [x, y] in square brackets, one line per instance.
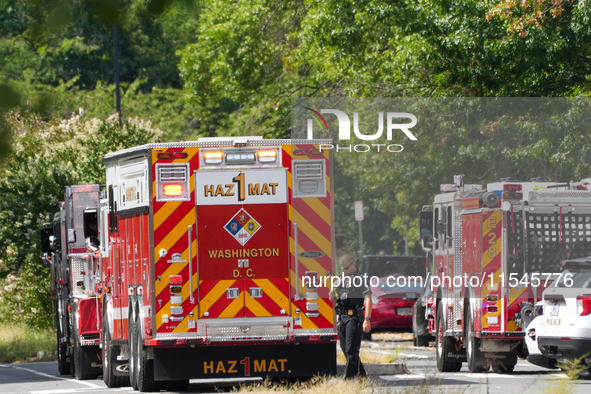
[379, 369]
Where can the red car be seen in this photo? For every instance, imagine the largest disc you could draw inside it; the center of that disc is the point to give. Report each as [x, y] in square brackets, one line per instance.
[392, 301]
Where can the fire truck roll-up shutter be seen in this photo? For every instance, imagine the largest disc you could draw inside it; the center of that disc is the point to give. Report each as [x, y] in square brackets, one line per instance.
[243, 253]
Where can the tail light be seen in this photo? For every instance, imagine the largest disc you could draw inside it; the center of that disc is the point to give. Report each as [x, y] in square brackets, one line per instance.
[584, 304]
[176, 279]
[492, 297]
[532, 335]
[492, 309]
[173, 189]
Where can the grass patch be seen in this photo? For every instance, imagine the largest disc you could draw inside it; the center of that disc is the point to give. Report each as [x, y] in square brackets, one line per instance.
[19, 342]
[372, 357]
[316, 385]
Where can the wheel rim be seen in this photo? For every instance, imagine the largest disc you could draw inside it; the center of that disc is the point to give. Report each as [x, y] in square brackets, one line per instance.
[131, 357]
[106, 356]
[439, 338]
[469, 344]
[138, 347]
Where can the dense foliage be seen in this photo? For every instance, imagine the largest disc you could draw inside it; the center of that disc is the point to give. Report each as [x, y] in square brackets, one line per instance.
[45, 158]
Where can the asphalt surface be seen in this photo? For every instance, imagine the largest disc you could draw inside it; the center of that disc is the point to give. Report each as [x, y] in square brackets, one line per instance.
[43, 378]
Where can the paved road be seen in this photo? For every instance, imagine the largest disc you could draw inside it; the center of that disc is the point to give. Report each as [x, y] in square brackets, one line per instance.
[43, 378]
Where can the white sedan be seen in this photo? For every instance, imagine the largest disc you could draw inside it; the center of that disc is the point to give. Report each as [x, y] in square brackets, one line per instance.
[565, 328]
[534, 354]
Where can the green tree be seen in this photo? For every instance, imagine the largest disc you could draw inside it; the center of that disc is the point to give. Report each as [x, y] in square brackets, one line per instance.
[45, 158]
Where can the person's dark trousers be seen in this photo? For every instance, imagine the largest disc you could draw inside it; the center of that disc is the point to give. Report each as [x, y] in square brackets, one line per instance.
[350, 330]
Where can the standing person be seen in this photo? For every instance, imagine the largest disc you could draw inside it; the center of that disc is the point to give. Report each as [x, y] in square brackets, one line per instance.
[349, 298]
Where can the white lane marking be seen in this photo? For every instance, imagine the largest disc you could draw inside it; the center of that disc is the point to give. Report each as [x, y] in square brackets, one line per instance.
[467, 375]
[91, 385]
[406, 355]
[61, 391]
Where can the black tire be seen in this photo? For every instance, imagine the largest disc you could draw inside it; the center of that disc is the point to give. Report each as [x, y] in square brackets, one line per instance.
[145, 371]
[79, 359]
[499, 367]
[111, 380]
[443, 343]
[417, 340]
[177, 385]
[477, 362]
[133, 353]
[63, 360]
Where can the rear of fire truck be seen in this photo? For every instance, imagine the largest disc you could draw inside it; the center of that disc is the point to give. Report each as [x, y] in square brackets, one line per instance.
[70, 247]
[208, 244]
[511, 239]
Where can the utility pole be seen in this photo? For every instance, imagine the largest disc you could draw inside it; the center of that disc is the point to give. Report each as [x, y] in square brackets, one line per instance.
[116, 57]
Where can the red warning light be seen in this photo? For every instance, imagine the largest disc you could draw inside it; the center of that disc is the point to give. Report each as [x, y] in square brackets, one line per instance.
[173, 189]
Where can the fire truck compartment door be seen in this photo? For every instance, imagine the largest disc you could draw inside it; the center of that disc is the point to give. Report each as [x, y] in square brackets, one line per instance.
[243, 243]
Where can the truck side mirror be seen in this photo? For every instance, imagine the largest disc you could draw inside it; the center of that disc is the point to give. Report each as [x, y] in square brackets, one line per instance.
[46, 240]
[426, 230]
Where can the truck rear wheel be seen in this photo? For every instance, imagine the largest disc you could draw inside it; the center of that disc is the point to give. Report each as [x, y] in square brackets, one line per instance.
[80, 373]
[133, 355]
[63, 360]
[477, 361]
[443, 345]
[145, 367]
[417, 340]
[109, 355]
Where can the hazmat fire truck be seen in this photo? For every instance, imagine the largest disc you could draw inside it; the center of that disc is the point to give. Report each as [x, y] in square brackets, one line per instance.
[495, 251]
[203, 248]
[70, 248]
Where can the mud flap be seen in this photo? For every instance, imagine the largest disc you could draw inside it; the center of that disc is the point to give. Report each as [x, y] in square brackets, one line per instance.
[280, 361]
[457, 352]
[92, 360]
[509, 358]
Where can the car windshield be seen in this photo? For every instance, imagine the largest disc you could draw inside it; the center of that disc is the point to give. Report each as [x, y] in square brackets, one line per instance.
[580, 280]
[400, 285]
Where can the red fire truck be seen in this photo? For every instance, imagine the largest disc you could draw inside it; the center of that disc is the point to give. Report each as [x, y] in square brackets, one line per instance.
[204, 245]
[495, 250]
[70, 248]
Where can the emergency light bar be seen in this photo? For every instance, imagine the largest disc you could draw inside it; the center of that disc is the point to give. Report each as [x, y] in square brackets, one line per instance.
[213, 157]
[267, 156]
[236, 158]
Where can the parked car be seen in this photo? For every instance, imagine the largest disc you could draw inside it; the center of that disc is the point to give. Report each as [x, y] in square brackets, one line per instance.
[392, 302]
[422, 315]
[565, 328]
[535, 356]
[383, 265]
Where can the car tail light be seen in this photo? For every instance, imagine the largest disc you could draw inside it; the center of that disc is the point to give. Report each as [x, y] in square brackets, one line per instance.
[173, 189]
[213, 157]
[176, 279]
[532, 335]
[492, 309]
[584, 304]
